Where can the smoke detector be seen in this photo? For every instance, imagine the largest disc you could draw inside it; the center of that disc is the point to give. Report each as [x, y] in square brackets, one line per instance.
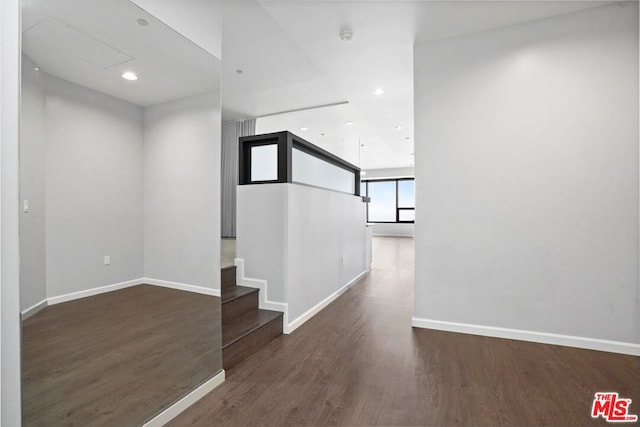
[346, 35]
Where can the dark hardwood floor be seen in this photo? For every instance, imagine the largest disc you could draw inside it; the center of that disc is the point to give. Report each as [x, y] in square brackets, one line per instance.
[359, 362]
[119, 358]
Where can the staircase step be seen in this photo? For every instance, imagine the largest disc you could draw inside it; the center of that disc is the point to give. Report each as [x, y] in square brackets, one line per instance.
[227, 277]
[237, 301]
[248, 333]
[233, 293]
[246, 324]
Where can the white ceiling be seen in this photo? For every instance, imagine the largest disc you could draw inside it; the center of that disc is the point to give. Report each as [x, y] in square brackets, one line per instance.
[342, 140]
[290, 54]
[92, 43]
[292, 57]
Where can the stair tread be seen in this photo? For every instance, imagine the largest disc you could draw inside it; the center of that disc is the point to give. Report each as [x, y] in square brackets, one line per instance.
[232, 293]
[245, 324]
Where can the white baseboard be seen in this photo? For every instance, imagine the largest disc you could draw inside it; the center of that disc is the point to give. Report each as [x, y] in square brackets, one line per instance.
[181, 405]
[522, 335]
[93, 291]
[300, 320]
[264, 302]
[181, 286]
[122, 285]
[28, 312]
[411, 236]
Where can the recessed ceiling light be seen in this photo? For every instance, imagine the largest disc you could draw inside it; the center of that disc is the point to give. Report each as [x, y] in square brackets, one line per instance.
[398, 127]
[142, 22]
[239, 71]
[349, 123]
[36, 69]
[363, 173]
[304, 128]
[129, 76]
[378, 91]
[322, 134]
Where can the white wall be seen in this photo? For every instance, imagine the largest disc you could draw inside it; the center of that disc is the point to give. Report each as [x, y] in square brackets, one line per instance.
[182, 191]
[306, 242]
[326, 245]
[527, 159]
[261, 234]
[394, 230]
[94, 188]
[106, 160]
[10, 409]
[33, 289]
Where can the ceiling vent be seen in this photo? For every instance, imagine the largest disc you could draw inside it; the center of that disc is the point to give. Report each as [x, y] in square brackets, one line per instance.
[65, 39]
[346, 35]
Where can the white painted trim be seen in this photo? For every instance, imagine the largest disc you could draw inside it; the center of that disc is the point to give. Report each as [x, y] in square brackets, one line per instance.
[181, 286]
[28, 312]
[263, 296]
[181, 405]
[290, 327]
[93, 291]
[522, 335]
[122, 285]
[266, 304]
[410, 236]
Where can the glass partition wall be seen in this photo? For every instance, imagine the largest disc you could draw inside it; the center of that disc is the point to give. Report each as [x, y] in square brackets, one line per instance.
[118, 121]
[284, 157]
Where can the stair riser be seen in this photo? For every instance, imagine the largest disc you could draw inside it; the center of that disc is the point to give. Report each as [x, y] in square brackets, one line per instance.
[228, 277]
[233, 309]
[241, 349]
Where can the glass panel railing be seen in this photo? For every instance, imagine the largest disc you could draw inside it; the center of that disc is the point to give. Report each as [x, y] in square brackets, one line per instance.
[310, 170]
[283, 157]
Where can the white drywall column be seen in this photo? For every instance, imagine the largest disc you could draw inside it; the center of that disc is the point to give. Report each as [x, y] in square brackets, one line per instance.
[527, 160]
[10, 409]
[308, 243]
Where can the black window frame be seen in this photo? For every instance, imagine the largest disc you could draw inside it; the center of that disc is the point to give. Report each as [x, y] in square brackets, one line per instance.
[397, 207]
[286, 142]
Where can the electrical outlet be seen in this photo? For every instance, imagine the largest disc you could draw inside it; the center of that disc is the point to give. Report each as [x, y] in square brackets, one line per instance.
[107, 260]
